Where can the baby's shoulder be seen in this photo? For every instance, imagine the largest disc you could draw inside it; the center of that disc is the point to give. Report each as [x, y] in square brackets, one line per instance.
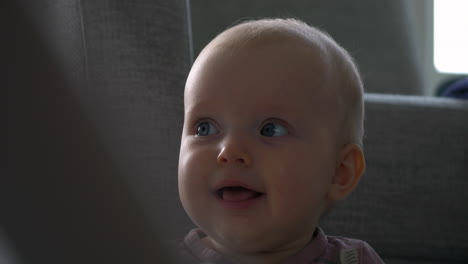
[351, 250]
[179, 252]
[346, 242]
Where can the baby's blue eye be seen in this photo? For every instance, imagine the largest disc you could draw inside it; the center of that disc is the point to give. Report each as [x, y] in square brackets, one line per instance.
[273, 130]
[205, 129]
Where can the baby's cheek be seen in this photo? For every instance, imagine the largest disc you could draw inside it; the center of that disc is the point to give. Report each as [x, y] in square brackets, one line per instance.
[191, 185]
[189, 173]
[195, 170]
[298, 195]
[195, 194]
[191, 157]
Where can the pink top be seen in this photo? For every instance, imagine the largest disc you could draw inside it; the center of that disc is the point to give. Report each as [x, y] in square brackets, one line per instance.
[322, 249]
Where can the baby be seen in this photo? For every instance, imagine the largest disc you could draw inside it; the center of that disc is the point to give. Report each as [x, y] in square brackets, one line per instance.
[272, 138]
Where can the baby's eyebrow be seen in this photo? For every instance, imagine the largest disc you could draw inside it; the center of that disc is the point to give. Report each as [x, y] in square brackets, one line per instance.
[193, 108]
[201, 105]
[275, 108]
[198, 110]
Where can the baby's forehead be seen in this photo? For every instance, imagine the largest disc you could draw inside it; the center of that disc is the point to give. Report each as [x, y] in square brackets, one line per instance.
[299, 39]
[260, 34]
[264, 36]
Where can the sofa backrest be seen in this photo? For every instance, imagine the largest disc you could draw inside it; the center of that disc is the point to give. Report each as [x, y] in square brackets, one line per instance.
[411, 204]
[95, 110]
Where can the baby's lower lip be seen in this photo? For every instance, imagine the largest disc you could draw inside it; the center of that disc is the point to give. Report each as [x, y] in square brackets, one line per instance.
[239, 204]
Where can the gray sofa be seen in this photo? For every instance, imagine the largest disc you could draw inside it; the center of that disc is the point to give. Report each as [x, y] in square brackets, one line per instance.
[95, 112]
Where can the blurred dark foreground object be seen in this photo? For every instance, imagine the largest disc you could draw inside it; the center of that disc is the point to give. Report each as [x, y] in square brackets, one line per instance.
[63, 196]
[456, 89]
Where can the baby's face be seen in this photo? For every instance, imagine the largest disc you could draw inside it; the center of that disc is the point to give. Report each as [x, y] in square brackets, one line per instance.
[258, 147]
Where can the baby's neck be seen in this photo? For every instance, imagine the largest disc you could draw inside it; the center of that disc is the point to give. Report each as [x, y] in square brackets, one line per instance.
[273, 257]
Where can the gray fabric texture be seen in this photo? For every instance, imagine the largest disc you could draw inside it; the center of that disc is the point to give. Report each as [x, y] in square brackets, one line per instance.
[387, 59]
[131, 59]
[96, 112]
[137, 61]
[411, 202]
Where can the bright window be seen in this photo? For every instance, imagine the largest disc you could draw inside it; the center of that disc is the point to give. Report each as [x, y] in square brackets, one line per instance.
[451, 36]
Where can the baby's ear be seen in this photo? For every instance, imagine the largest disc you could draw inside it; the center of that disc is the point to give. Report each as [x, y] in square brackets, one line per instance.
[349, 169]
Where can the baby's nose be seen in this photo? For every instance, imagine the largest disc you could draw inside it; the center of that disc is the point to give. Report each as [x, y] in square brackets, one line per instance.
[231, 155]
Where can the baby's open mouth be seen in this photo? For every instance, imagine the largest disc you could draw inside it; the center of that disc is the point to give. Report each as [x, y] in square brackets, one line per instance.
[237, 194]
